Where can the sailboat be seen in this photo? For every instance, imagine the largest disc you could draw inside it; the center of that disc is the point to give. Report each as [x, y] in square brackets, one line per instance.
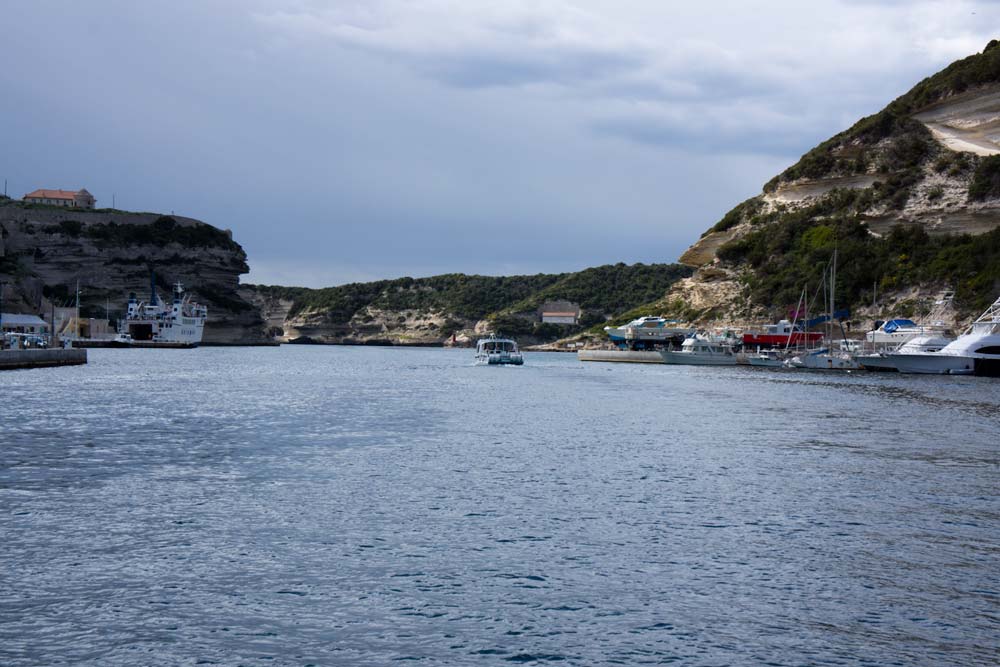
[828, 359]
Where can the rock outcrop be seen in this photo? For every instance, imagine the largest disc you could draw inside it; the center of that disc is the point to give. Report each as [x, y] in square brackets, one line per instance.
[906, 192]
[46, 251]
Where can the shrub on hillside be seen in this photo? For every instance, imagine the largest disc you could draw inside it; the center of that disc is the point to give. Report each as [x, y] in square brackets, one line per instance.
[986, 179]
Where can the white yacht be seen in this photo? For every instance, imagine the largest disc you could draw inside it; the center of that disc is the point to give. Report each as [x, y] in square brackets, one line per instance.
[704, 350]
[494, 351]
[886, 361]
[977, 351]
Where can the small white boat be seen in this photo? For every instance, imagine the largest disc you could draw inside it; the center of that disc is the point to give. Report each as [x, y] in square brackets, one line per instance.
[703, 350]
[771, 358]
[826, 360]
[495, 351]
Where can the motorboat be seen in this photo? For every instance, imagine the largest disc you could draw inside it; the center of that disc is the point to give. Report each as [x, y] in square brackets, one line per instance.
[784, 333]
[886, 361]
[497, 351]
[975, 352]
[647, 331]
[704, 350]
[900, 330]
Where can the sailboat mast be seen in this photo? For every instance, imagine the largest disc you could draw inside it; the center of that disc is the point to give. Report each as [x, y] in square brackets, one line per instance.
[833, 280]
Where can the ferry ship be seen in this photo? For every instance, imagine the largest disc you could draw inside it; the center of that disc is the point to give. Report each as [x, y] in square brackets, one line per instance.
[158, 324]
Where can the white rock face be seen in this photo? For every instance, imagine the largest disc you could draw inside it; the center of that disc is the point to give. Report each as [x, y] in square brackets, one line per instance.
[47, 251]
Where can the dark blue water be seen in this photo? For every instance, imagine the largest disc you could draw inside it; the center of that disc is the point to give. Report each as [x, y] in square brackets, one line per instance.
[351, 506]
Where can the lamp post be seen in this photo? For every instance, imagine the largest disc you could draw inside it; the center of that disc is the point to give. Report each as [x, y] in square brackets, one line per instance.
[2, 285]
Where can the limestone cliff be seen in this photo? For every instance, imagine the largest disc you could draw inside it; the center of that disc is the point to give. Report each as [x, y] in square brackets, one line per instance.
[45, 251]
[910, 198]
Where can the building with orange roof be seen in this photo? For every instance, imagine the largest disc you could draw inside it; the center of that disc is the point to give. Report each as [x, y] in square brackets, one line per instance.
[68, 198]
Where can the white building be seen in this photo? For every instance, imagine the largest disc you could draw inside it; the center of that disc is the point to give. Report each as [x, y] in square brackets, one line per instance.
[559, 312]
[18, 323]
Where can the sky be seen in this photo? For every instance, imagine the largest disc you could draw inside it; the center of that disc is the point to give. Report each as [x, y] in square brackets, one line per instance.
[348, 141]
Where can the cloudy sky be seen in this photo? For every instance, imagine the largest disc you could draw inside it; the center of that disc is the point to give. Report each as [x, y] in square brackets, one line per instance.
[356, 140]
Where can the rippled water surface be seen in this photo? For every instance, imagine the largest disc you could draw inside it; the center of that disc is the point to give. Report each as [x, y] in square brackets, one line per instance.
[357, 506]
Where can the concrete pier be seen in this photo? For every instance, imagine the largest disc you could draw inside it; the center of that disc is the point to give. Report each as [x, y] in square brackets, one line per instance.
[14, 359]
[626, 356]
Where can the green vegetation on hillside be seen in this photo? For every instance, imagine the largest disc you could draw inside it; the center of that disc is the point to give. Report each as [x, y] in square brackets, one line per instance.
[793, 251]
[160, 232]
[603, 290]
[986, 179]
[608, 289]
[788, 247]
[892, 141]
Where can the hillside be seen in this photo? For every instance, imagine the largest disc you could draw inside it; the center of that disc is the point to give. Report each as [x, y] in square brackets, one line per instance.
[909, 197]
[46, 250]
[430, 311]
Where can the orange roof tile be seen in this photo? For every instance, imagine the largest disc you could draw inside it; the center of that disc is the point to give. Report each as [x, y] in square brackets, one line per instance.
[52, 194]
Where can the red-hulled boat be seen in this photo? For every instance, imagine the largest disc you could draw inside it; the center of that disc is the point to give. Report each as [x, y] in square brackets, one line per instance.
[782, 333]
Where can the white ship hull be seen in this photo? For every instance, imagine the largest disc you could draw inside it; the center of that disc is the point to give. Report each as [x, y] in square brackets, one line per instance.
[825, 361]
[933, 363]
[158, 324]
[697, 358]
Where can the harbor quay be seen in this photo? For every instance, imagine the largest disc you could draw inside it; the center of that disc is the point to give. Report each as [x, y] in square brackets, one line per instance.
[42, 358]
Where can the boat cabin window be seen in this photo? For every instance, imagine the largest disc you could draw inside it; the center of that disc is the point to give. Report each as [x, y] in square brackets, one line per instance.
[989, 349]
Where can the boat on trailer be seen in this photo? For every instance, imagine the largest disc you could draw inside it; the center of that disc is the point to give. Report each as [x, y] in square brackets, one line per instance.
[498, 351]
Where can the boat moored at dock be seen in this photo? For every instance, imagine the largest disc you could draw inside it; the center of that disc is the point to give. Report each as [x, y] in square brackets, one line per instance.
[784, 333]
[179, 324]
[704, 350]
[976, 352]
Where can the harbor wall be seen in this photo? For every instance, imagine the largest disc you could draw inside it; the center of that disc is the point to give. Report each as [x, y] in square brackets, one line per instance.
[625, 356]
[15, 359]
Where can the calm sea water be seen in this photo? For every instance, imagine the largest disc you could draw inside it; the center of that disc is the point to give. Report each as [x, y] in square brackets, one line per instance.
[353, 506]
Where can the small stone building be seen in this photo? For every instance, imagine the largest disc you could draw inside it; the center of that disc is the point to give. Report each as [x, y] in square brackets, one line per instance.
[559, 312]
[26, 324]
[68, 198]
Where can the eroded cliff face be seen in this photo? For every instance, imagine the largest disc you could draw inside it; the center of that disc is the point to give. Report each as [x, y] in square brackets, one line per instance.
[375, 326]
[45, 251]
[918, 177]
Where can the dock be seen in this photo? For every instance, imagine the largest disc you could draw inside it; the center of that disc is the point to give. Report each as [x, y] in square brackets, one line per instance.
[623, 356]
[16, 359]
